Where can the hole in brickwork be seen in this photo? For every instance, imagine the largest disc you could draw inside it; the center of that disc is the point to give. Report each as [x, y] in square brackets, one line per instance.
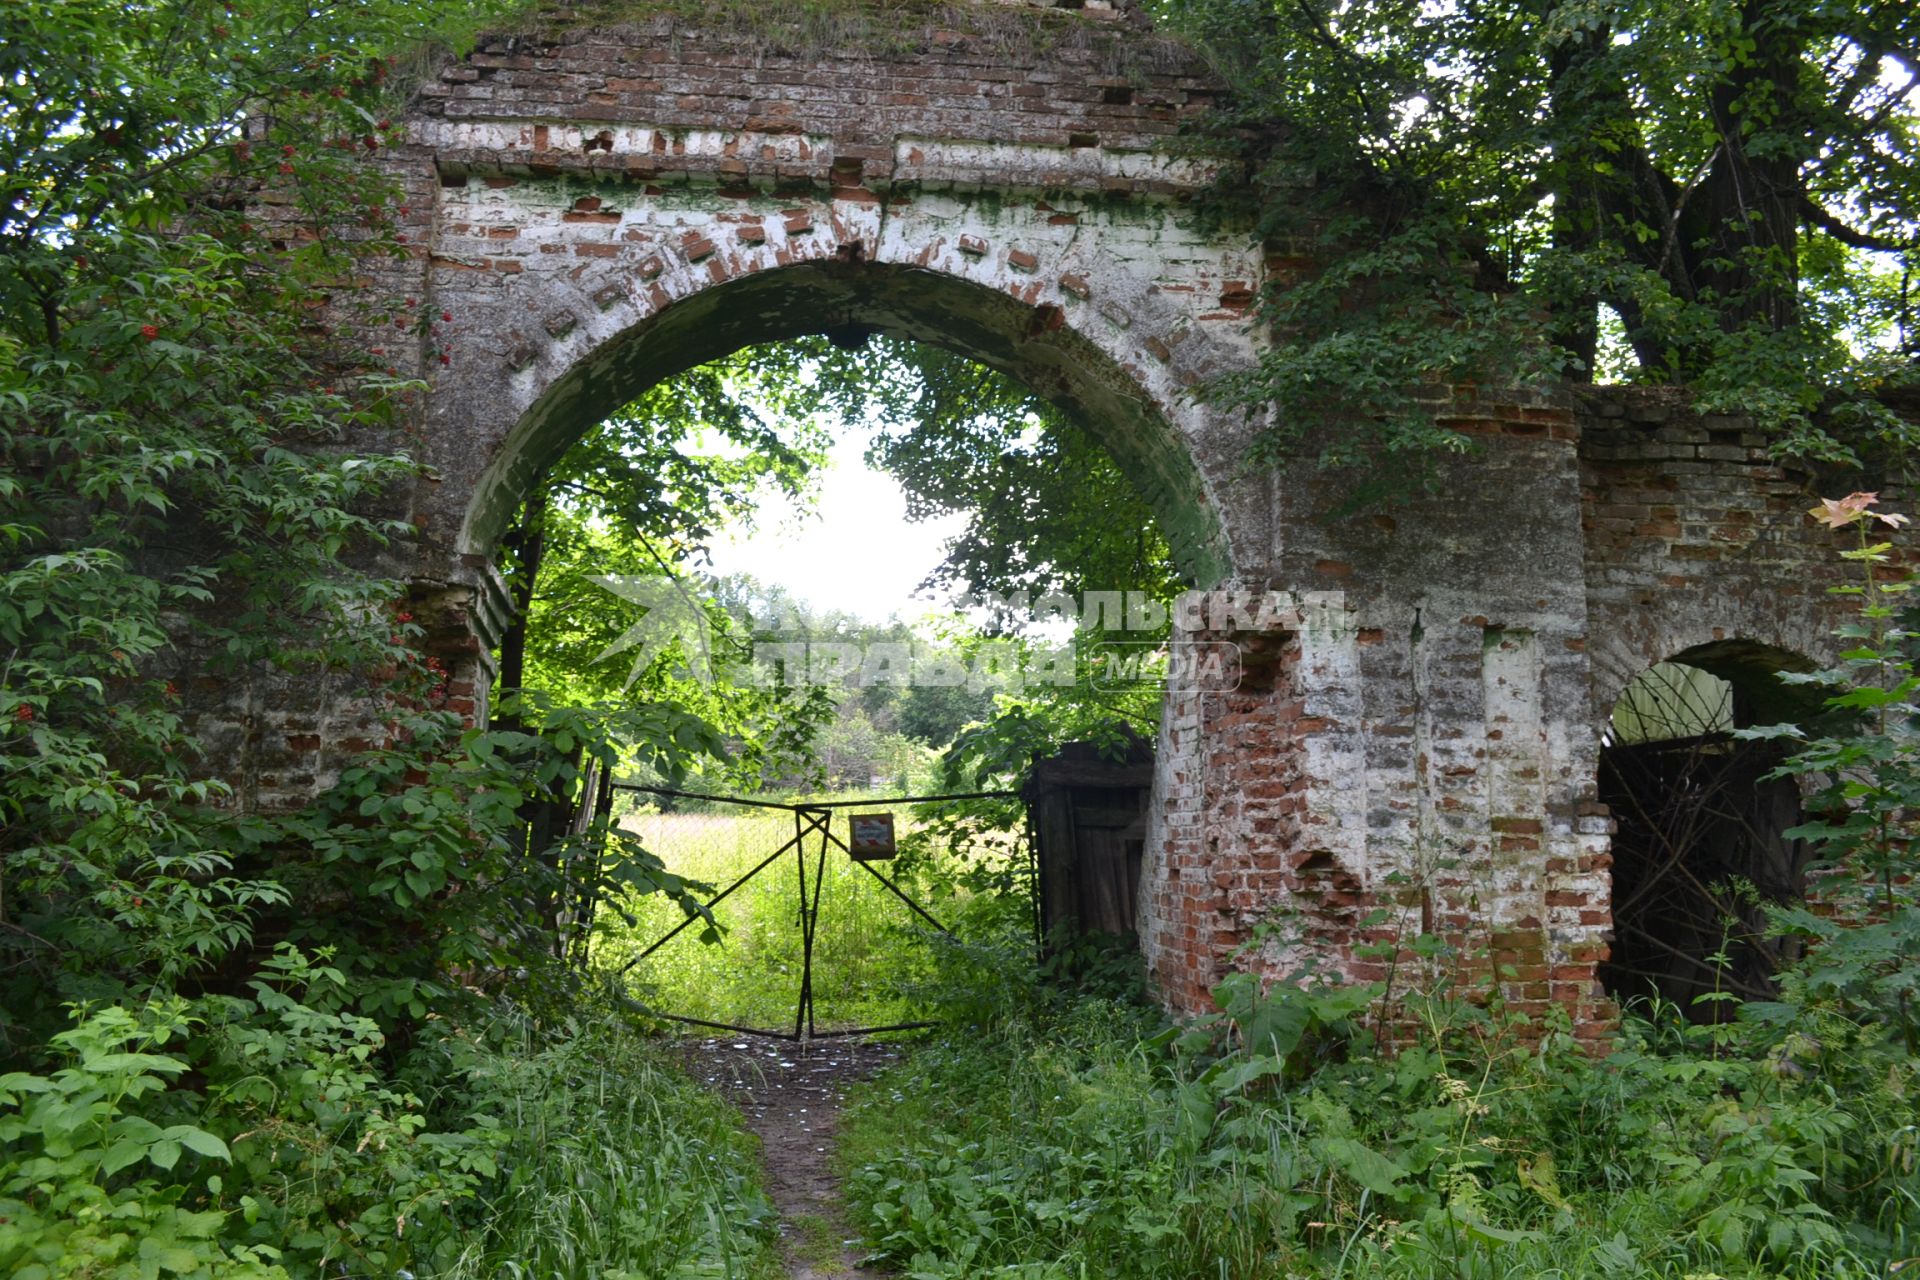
[1318, 863]
[1118, 95]
[1263, 660]
[1700, 848]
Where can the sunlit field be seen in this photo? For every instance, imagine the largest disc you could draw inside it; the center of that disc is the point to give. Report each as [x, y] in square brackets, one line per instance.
[871, 952]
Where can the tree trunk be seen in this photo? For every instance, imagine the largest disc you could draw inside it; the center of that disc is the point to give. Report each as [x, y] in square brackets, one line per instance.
[1742, 230]
[1726, 238]
[527, 542]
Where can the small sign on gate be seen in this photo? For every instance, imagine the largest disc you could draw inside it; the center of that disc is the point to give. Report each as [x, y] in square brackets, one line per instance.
[870, 837]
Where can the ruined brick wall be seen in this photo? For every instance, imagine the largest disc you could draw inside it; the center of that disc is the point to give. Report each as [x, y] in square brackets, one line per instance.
[1227, 808]
[1427, 758]
[594, 208]
[944, 72]
[1698, 543]
[1422, 761]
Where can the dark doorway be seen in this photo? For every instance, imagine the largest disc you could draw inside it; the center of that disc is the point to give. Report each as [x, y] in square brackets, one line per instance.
[1700, 850]
[1089, 816]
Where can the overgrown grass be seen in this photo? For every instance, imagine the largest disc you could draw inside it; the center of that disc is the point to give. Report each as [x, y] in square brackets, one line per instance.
[293, 1151]
[1072, 1144]
[871, 953]
[618, 1166]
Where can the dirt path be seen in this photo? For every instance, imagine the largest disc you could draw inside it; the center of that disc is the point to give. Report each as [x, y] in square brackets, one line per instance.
[790, 1095]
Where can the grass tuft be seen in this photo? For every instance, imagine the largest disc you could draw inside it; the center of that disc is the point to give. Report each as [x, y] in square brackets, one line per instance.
[620, 1168]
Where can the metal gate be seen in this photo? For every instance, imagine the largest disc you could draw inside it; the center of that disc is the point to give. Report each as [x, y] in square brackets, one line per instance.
[814, 836]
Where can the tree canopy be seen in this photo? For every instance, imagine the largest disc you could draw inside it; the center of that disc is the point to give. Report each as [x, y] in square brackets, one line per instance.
[1716, 193]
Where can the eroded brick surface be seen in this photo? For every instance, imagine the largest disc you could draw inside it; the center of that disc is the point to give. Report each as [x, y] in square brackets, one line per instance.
[597, 210]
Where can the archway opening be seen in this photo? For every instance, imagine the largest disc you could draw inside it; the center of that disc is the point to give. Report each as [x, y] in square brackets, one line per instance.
[1057, 466]
[1700, 845]
[587, 377]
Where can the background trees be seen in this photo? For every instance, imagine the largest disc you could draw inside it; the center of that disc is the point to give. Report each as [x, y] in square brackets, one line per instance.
[1047, 511]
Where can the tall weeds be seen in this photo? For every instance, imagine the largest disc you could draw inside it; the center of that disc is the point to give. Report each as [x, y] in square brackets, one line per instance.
[1085, 1144]
[618, 1165]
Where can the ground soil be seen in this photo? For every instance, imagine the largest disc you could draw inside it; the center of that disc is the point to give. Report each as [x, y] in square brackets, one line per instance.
[790, 1095]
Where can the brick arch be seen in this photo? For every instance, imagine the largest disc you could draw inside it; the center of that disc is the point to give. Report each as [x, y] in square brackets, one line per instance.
[602, 205]
[1726, 632]
[1098, 366]
[1751, 669]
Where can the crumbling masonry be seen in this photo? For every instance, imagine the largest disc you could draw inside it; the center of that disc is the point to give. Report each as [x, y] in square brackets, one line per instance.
[607, 205]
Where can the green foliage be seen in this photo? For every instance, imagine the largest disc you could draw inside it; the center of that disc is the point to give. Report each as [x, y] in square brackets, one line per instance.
[1048, 509]
[617, 1165]
[863, 716]
[417, 874]
[230, 1032]
[172, 423]
[935, 714]
[88, 1193]
[642, 494]
[1862, 929]
[638, 499]
[298, 1154]
[294, 1150]
[1049, 513]
[1271, 1140]
[1457, 190]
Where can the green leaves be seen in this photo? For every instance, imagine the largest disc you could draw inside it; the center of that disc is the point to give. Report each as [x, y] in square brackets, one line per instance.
[1365, 1166]
[1863, 772]
[169, 419]
[79, 1127]
[161, 1147]
[1460, 190]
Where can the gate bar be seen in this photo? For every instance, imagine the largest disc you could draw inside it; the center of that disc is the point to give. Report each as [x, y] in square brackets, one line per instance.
[800, 833]
[815, 804]
[895, 890]
[819, 820]
[676, 930]
[917, 908]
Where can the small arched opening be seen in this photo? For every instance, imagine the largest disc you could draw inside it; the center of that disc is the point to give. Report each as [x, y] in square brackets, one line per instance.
[1701, 844]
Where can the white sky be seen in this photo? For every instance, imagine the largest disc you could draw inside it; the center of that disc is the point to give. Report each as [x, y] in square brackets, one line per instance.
[855, 551]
